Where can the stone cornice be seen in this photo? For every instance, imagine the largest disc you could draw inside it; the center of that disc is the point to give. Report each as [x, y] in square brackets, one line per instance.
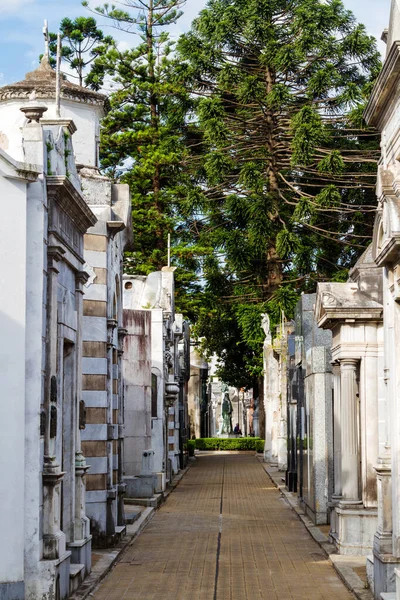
[61, 190]
[335, 316]
[381, 93]
[22, 91]
[19, 170]
[390, 251]
[67, 123]
[339, 303]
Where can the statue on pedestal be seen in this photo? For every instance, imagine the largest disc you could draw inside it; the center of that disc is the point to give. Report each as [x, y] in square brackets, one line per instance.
[227, 410]
[266, 327]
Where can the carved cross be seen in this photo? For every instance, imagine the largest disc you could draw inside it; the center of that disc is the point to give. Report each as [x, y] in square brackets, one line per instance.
[46, 38]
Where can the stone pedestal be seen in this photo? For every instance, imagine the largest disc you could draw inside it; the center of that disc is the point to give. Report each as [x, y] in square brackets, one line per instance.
[147, 462]
[161, 483]
[54, 544]
[356, 525]
[384, 563]
[397, 575]
[81, 547]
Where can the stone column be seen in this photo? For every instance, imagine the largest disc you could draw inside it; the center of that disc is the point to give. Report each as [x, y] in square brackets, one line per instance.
[383, 573]
[82, 523]
[122, 333]
[54, 544]
[350, 476]
[384, 535]
[112, 325]
[337, 451]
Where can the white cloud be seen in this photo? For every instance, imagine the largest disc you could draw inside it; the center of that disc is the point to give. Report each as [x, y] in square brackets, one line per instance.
[375, 18]
[12, 7]
[124, 45]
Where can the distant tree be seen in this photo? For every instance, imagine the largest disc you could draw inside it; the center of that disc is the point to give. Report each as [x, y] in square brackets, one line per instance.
[82, 45]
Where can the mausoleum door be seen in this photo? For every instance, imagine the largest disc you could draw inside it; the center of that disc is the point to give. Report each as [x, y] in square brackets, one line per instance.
[68, 441]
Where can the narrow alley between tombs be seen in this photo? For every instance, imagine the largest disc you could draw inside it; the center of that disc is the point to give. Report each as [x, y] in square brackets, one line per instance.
[225, 533]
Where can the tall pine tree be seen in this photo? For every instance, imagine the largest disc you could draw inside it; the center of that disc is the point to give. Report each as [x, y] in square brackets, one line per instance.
[143, 140]
[82, 43]
[283, 169]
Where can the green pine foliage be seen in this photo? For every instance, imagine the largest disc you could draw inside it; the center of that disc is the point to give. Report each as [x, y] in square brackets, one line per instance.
[281, 169]
[143, 143]
[82, 45]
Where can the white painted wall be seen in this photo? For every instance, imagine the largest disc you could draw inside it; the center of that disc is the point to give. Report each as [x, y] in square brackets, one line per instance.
[85, 116]
[137, 389]
[157, 364]
[35, 336]
[394, 27]
[12, 377]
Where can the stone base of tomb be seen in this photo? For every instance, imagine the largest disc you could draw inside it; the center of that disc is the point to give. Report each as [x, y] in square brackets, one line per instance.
[355, 529]
[161, 482]
[381, 573]
[12, 591]
[141, 486]
[51, 578]
[81, 553]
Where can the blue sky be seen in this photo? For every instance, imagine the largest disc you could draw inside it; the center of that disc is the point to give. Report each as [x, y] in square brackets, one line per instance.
[21, 23]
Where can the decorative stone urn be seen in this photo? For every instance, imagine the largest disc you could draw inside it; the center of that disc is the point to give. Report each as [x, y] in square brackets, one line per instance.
[33, 111]
[171, 392]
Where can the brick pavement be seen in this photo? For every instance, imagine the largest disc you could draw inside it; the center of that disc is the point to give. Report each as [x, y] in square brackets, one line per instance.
[262, 550]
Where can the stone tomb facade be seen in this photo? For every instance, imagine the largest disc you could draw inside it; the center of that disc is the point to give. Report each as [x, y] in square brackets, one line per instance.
[383, 113]
[275, 394]
[197, 395]
[353, 312]
[309, 411]
[45, 547]
[103, 335]
[65, 305]
[157, 371]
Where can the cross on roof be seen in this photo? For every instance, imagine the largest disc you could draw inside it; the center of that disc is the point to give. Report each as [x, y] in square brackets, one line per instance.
[46, 38]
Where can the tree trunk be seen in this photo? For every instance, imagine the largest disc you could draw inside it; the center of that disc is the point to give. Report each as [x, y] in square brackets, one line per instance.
[274, 266]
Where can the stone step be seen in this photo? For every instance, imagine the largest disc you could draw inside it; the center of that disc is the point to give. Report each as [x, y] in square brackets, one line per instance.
[76, 576]
[132, 516]
[388, 596]
[120, 531]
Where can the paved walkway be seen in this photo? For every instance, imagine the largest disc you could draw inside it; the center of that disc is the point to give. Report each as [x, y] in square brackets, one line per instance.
[225, 533]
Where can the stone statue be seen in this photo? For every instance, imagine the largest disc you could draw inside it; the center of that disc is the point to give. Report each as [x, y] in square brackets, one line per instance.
[226, 414]
[224, 388]
[220, 425]
[266, 326]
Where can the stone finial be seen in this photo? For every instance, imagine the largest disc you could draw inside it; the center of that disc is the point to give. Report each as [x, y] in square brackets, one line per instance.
[34, 111]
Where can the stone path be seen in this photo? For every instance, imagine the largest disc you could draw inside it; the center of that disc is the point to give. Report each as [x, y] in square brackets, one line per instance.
[225, 533]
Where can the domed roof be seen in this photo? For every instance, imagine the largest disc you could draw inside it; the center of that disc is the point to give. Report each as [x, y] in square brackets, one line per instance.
[43, 81]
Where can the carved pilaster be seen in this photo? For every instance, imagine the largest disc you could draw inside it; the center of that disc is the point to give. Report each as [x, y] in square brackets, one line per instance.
[349, 432]
[383, 536]
[337, 454]
[82, 523]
